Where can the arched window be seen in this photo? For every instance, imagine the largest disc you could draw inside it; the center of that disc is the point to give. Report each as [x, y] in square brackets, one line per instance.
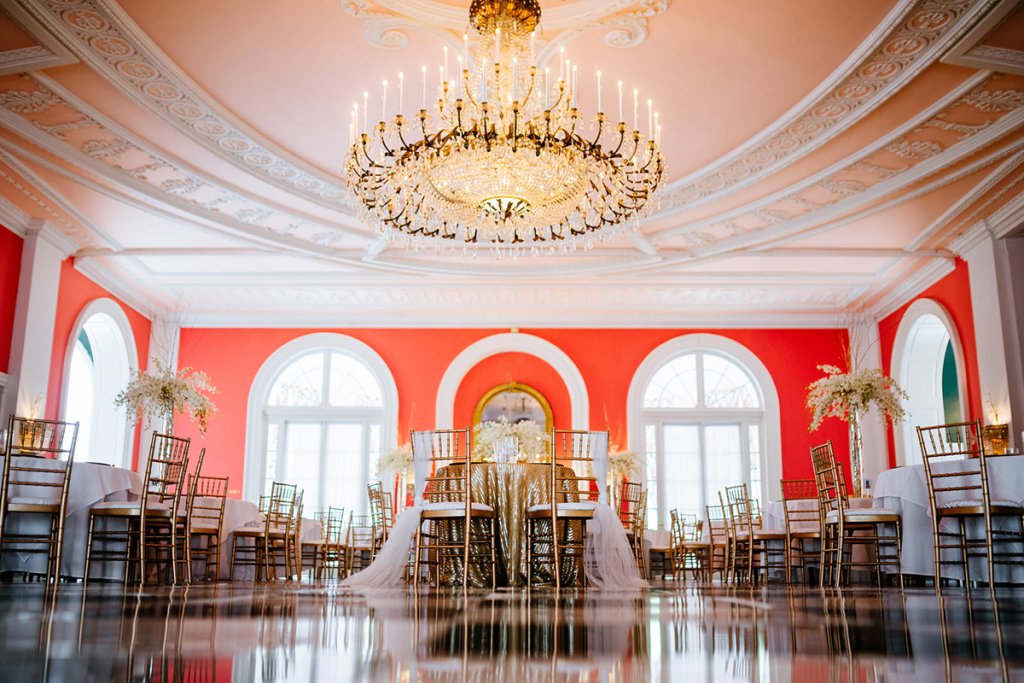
[928, 364]
[99, 362]
[326, 410]
[698, 419]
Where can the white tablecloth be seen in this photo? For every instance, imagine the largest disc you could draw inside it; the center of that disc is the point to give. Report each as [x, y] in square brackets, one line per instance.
[905, 490]
[774, 518]
[90, 483]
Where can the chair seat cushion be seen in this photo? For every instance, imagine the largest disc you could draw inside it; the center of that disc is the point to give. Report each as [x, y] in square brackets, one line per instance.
[584, 505]
[481, 507]
[1008, 505]
[854, 514]
[30, 500]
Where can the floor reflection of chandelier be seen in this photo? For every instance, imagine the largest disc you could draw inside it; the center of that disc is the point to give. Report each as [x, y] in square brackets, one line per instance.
[500, 157]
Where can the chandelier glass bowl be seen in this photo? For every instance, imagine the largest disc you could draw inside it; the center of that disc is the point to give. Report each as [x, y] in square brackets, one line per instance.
[498, 155]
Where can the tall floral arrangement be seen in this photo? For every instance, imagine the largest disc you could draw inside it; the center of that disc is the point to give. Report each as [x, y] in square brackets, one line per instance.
[533, 438]
[623, 464]
[162, 393]
[396, 461]
[842, 394]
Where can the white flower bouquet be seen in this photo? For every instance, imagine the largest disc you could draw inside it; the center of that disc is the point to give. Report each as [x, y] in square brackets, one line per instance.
[160, 394]
[533, 439]
[623, 464]
[839, 394]
[396, 461]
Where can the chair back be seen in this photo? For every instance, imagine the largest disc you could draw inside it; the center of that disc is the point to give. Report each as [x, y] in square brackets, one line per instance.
[280, 505]
[800, 505]
[965, 481]
[741, 513]
[629, 503]
[828, 481]
[165, 471]
[442, 465]
[380, 512]
[579, 466]
[686, 528]
[41, 455]
[718, 525]
[360, 532]
[209, 500]
[334, 526]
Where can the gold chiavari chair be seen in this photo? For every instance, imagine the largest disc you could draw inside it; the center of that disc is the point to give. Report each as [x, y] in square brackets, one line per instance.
[328, 554]
[690, 552]
[577, 457]
[360, 542]
[151, 524]
[277, 517]
[754, 551]
[381, 515]
[842, 527]
[631, 509]
[803, 524]
[33, 486]
[184, 521]
[447, 535]
[961, 494]
[206, 527]
[718, 541]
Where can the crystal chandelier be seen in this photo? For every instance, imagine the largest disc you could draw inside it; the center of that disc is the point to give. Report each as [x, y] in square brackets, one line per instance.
[500, 157]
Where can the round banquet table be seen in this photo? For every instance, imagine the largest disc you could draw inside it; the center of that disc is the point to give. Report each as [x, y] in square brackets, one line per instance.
[90, 483]
[905, 490]
[511, 489]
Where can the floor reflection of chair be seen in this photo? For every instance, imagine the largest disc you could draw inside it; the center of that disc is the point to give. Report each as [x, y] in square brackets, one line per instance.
[31, 487]
[963, 496]
[965, 651]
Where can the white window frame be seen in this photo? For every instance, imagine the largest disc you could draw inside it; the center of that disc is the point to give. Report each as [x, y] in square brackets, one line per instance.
[109, 418]
[770, 431]
[260, 414]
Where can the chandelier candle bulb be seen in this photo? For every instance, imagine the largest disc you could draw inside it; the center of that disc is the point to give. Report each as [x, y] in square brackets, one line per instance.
[547, 86]
[423, 87]
[561, 63]
[515, 79]
[401, 91]
[636, 109]
[497, 46]
[384, 101]
[366, 106]
[533, 45]
[446, 63]
[620, 101]
[460, 75]
[575, 82]
[599, 107]
[650, 119]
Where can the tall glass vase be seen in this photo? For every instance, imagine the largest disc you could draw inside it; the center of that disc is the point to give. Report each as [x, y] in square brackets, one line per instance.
[856, 455]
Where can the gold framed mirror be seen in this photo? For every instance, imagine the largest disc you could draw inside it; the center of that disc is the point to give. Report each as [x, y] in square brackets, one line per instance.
[516, 402]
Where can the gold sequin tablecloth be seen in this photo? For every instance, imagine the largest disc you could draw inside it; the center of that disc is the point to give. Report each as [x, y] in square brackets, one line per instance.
[511, 488]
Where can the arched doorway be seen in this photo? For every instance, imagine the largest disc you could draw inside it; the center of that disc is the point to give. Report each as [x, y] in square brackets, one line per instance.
[928, 364]
[99, 362]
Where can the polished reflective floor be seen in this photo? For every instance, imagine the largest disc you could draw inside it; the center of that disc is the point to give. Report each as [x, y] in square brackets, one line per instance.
[317, 632]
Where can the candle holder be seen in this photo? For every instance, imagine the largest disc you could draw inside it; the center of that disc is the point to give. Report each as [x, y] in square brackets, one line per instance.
[995, 439]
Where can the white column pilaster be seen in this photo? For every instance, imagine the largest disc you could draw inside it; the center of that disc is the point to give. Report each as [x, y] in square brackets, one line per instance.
[164, 339]
[995, 326]
[35, 315]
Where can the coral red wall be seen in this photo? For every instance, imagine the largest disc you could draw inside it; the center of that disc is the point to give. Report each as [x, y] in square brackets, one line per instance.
[75, 292]
[10, 270]
[607, 359]
[954, 293]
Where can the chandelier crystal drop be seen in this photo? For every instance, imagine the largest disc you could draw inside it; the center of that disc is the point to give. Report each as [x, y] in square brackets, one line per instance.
[497, 155]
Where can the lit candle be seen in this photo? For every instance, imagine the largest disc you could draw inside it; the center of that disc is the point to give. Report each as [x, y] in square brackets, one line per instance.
[515, 79]
[465, 48]
[620, 101]
[460, 77]
[561, 63]
[401, 91]
[366, 107]
[636, 109]
[599, 108]
[533, 44]
[650, 119]
[657, 127]
[440, 86]
[547, 84]
[384, 102]
[575, 81]
[446, 63]
[423, 87]
[483, 82]
[658, 140]
[497, 46]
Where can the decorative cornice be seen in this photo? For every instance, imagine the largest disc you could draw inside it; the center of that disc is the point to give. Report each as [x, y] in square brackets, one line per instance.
[43, 229]
[918, 35]
[905, 287]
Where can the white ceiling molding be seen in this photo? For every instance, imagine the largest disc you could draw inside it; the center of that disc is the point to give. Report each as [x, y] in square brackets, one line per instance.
[49, 53]
[908, 286]
[970, 50]
[912, 37]
[102, 35]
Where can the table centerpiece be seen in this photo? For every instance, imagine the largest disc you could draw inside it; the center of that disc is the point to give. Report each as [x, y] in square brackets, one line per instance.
[504, 441]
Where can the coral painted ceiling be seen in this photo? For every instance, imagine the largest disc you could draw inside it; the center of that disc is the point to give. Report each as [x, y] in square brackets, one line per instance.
[823, 156]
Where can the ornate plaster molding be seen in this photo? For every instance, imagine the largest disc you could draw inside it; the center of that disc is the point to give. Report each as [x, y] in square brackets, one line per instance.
[914, 35]
[624, 22]
[103, 36]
